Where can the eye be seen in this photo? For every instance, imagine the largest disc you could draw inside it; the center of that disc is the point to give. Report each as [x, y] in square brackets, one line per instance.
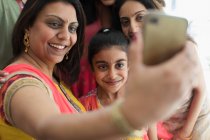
[119, 65]
[54, 24]
[139, 18]
[124, 22]
[102, 67]
[73, 29]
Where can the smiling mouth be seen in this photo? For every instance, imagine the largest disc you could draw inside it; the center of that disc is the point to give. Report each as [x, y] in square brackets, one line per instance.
[60, 47]
[112, 82]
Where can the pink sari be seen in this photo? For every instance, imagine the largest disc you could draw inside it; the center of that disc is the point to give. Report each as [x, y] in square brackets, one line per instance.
[58, 97]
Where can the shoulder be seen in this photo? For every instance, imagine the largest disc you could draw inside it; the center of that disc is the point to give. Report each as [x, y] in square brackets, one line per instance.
[90, 101]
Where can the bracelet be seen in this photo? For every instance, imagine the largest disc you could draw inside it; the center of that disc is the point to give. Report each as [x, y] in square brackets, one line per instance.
[185, 138]
[119, 120]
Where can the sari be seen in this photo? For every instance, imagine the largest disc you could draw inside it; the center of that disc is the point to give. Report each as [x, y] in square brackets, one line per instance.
[91, 103]
[23, 75]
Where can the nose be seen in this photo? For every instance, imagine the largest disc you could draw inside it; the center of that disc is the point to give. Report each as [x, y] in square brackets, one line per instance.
[64, 34]
[112, 73]
[134, 27]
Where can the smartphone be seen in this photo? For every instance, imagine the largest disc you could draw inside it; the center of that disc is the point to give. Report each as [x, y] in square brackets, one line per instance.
[164, 35]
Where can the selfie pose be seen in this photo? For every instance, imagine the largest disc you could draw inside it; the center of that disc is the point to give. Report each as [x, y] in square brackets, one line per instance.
[47, 45]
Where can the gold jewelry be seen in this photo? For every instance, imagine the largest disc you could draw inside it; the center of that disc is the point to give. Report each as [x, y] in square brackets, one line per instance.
[119, 120]
[26, 41]
[184, 138]
[67, 57]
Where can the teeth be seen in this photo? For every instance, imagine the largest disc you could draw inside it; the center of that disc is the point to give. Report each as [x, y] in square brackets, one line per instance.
[57, 46]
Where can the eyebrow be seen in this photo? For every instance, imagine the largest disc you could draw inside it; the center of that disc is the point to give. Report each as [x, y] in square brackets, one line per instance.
[61, 19]
[141, 11]
[102, 61]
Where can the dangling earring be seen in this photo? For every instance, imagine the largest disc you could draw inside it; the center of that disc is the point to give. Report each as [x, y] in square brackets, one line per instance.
[67, 57]
[26, 41]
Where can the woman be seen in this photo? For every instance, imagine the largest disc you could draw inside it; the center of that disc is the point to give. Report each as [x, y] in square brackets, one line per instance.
[191, 119]
[47, 45]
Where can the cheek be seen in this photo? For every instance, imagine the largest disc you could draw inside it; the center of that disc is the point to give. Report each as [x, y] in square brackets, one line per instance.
[125, 31]
[73, 39]
[99, 75]
[125, 75]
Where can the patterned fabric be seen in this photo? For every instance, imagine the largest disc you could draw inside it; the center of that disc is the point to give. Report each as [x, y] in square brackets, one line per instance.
[91, 102]
[201, 130]
[23, 75]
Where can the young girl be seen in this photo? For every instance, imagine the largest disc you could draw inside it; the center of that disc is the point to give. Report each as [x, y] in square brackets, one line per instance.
[108, 59]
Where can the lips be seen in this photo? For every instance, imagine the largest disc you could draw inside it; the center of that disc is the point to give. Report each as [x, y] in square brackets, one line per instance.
[60, 47]
[114, 82]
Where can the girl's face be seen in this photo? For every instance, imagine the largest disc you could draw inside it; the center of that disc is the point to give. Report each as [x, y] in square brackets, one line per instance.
[131, 15]
[107, 2]
[110, 69]
[53, 33]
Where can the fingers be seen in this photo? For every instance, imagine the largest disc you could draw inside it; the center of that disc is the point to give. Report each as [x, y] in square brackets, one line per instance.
[135, 51]
[3, 76]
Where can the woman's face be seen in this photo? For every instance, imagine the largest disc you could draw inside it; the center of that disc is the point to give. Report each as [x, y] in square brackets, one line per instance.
[131, 14]
[107, 2]
[53, 33]
[110, 69]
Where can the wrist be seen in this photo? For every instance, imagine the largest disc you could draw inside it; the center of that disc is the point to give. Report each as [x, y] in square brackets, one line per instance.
[119, 119]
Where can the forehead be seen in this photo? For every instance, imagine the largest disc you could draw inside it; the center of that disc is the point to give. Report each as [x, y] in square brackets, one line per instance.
[131, 7]
[114, 52]
[62, 9]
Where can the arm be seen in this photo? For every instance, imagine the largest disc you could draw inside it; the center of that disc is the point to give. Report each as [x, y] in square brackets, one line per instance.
[35, 113]
[194, 110]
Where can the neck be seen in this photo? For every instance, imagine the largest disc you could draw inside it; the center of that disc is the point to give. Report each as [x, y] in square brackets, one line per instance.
[28, 59]
[106, 98]
[104, 15]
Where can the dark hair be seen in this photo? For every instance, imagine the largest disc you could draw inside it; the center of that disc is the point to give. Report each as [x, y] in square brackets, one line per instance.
[67, 70]
[149, 4]
[89, 7]
[91, 11]
[106, 38]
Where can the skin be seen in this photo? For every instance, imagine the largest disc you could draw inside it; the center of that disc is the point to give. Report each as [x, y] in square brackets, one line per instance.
[107, 2]
[111, 72]
[43, 120]
[131, 14]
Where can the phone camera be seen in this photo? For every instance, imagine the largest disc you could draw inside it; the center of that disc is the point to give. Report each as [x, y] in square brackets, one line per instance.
[153, 20]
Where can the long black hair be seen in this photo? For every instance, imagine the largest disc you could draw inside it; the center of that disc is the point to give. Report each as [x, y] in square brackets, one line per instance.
[67, 70]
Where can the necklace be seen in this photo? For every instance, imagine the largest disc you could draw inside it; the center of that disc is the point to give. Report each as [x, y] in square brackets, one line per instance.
[58, 83]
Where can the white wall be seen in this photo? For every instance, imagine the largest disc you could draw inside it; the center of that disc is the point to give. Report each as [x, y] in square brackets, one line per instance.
[198, 14]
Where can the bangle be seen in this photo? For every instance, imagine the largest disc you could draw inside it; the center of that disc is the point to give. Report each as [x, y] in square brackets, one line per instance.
[184, 138]
[119, 120]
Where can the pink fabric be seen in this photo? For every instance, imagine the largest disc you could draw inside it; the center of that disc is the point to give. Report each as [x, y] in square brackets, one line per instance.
[86, 81]
[163, 134]
[59, 99]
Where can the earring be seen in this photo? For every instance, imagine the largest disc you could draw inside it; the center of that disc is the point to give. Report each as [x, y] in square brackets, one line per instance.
[26, 41]
[67, 57]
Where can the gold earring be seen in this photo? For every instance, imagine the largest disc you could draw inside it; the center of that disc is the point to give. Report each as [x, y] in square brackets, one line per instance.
[26, 41]
[67, 57]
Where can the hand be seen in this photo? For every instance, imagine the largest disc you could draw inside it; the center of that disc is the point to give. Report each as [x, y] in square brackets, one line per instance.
[3, 76]
[153, 92]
